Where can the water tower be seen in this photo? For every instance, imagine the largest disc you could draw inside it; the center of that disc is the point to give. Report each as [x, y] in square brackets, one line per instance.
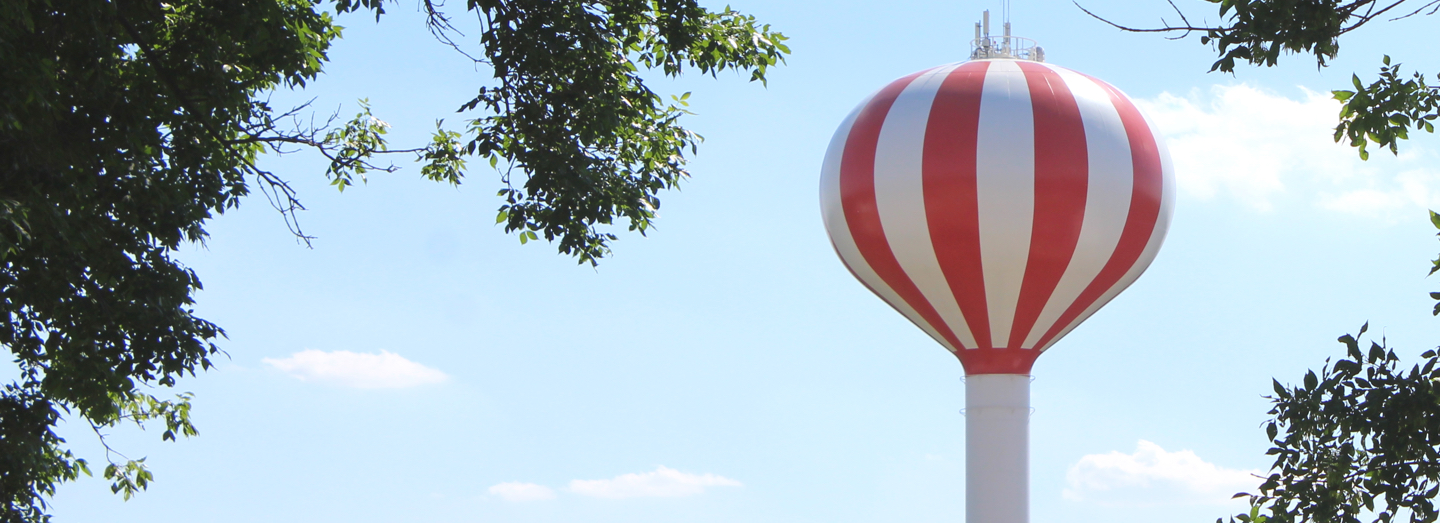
[997, 203]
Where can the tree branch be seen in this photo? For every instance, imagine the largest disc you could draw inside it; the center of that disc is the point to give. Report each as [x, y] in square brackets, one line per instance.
[1187, 28]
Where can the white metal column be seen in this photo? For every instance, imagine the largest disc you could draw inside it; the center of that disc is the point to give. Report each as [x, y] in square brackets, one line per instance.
[997, 448]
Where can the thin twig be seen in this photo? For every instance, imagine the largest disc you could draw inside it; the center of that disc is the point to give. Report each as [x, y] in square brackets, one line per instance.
[1166, 29]
[1435, 3]
[1369, 15]
[292, 203]
[440, 27]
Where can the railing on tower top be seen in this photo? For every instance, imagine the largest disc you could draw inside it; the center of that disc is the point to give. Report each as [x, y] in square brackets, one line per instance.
[1007, 47]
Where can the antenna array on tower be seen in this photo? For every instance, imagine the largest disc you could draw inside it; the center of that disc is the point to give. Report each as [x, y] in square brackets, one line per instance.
[985, 47]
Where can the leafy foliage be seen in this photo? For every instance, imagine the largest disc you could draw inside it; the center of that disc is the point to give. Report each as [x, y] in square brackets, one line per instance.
[125, 126]
[1435, 264]
[1260, 31]
[120, 134]
[1358, 441]
[571, 113]
[1384, 111]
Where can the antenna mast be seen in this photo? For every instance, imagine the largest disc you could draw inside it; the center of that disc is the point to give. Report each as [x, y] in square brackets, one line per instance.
[1005, 47]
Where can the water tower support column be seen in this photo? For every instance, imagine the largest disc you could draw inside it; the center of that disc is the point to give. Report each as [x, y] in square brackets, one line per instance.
[997, 448]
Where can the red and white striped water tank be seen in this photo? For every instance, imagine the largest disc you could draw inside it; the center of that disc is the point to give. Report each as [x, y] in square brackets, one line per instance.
[997, 203]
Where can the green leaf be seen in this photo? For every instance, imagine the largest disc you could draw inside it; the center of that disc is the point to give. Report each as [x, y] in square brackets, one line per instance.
[147, 119]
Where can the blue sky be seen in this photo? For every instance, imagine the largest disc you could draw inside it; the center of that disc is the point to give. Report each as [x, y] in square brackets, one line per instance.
[418, 364]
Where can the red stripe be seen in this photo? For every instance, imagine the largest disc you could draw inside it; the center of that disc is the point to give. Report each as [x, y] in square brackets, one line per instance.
[997, 361]
[951, 198]
[857, 197]
[869, 288]
[1062, 178]
[1144, 210]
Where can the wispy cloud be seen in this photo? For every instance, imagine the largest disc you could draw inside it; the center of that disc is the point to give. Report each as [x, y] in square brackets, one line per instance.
[1253, 145]
[519, 492]
[660, 483]
[385, 370]
[1152, 477]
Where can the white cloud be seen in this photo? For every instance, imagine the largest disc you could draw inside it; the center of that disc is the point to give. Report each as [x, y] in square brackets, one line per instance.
[1412, 189]
[1152, 477]
[661, 483]
[385, 370]
[1251, 145]
[517, 491]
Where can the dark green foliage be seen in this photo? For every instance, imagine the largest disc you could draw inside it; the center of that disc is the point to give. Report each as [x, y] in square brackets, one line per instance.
[125, 125]
[32, 460]
[1260, 31]
[1383, 111]
[119, 124]
[1358, 441]
[571, 113]
[1435, 264]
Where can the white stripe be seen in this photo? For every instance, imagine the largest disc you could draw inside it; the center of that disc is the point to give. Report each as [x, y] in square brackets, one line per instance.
[833, 212]
[1157, 237]
[1167, 208]
[1107, 199]
[1005, 183]
[900, 197]
[1167, 199]
[1152, 245]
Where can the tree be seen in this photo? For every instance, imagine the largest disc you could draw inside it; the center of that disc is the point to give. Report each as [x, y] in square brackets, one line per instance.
[126, 125]
[1259, 31]
[1360, 439]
